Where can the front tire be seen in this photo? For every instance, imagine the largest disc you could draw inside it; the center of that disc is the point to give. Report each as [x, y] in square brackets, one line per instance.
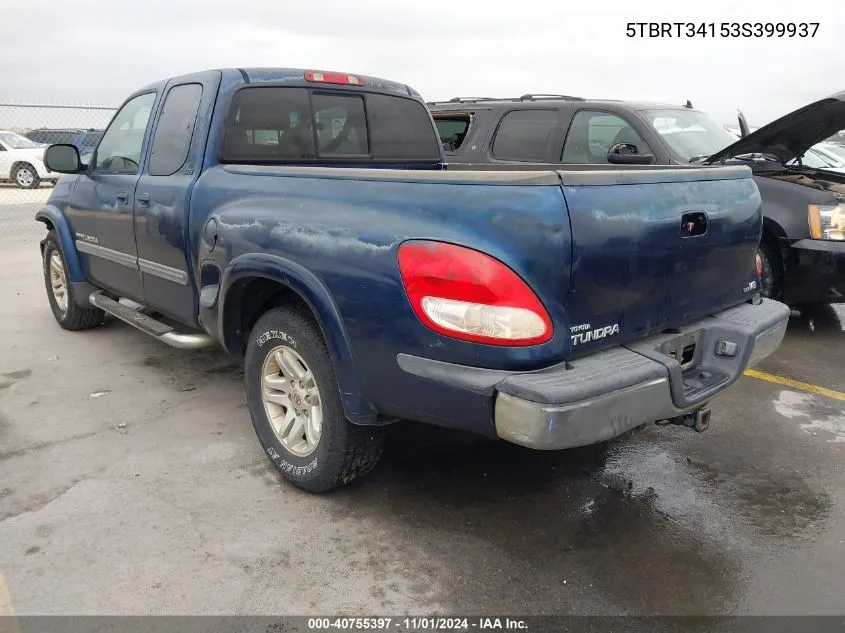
[296, 408]
[26, 176]
[68, 314]
[771, 280]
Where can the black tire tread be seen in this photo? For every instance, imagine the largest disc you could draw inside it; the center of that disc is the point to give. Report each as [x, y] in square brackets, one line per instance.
[75, 317]
[362, 445]
[773, 266]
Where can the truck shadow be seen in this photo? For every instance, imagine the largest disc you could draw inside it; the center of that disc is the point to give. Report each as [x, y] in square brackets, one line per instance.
[506, 529]
[501, 528]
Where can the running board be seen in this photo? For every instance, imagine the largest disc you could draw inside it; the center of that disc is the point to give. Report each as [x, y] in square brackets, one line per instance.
[148, 325]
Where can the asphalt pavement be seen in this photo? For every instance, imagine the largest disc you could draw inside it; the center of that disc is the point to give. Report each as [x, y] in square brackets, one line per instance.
[131, 483]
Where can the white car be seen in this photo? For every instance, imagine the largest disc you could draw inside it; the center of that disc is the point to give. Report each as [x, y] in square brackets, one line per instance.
[22, 161]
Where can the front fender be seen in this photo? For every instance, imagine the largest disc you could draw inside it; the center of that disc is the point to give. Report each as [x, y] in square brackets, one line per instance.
[294, 276]
[51, 216]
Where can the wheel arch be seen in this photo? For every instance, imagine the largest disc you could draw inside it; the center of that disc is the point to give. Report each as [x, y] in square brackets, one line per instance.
[772, 229]
[255, 283]
[53, 219]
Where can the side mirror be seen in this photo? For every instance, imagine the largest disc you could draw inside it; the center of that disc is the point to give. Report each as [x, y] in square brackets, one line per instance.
[63, 159]
[628, 154]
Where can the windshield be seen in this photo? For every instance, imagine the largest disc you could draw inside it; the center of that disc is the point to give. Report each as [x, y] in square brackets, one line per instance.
[16, 141]
[831, 155]
[688, 133]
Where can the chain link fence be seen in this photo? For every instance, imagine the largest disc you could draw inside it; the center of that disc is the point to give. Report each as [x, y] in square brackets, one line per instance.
[25, 132]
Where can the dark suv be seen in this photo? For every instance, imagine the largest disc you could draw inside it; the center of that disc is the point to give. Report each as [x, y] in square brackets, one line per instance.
[47, 136]
[802, 248]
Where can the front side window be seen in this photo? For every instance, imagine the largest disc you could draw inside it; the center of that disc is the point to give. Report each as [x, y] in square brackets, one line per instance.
[524, 135]
[175, 129]
[592, 134]
[119, 150]
[689, 134]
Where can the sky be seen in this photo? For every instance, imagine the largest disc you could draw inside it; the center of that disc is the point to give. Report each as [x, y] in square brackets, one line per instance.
[94, 52]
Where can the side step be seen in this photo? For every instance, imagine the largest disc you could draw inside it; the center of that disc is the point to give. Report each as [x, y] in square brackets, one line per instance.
[148, 325]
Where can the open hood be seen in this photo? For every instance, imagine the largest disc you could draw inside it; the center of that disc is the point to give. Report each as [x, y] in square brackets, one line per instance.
[790, 136]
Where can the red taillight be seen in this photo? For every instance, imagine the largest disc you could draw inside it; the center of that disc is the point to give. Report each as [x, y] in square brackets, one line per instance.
[758, 263]
[320, 77]
[465, 294]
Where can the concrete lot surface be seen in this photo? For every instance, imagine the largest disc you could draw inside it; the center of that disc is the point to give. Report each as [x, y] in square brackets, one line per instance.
[131, 483]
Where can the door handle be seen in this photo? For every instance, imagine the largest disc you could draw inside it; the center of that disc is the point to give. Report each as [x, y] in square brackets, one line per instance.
[144, 200]
[123, 197]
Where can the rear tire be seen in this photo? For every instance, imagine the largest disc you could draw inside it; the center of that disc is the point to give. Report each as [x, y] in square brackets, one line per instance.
[26, 176]
[772, 278]
[295, 405]
[68, 314]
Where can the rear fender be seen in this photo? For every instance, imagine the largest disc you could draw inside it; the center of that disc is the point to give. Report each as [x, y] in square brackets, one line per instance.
[311, 290]
[52, 217]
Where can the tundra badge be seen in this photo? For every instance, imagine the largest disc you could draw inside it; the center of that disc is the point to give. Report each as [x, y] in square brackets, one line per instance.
[585, 333]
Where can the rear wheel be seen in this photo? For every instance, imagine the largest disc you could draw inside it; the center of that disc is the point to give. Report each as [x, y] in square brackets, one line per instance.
[771, 279]
[296, 408]
[66, 311]
[26, 177]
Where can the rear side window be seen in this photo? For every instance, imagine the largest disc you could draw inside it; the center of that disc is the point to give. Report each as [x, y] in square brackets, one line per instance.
[525, 135]
[175, 129]
[452, 129]
[269, 124]
[592, 134]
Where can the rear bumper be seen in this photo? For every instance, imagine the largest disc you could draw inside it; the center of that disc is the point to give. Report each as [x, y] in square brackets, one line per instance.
[814, 272]
[598, 397]
[602, 396]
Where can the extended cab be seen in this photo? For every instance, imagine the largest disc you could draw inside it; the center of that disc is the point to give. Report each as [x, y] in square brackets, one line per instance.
[305, 221]
[802, 246]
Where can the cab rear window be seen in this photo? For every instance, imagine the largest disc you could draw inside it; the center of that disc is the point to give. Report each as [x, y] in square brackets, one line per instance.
[283, 125]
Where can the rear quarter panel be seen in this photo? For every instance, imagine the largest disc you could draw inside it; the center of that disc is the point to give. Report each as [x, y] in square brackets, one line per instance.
[347, 231]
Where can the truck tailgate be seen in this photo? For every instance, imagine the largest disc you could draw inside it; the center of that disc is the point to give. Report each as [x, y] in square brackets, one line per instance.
[653, 249]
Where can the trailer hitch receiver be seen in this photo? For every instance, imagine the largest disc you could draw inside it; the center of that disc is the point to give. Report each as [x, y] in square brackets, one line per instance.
[698, 421]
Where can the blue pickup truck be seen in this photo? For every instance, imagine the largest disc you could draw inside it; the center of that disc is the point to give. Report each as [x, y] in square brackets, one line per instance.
[306, 221]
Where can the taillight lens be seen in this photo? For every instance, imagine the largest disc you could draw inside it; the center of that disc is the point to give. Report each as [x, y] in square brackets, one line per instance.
[758, 264]
[465, 294]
